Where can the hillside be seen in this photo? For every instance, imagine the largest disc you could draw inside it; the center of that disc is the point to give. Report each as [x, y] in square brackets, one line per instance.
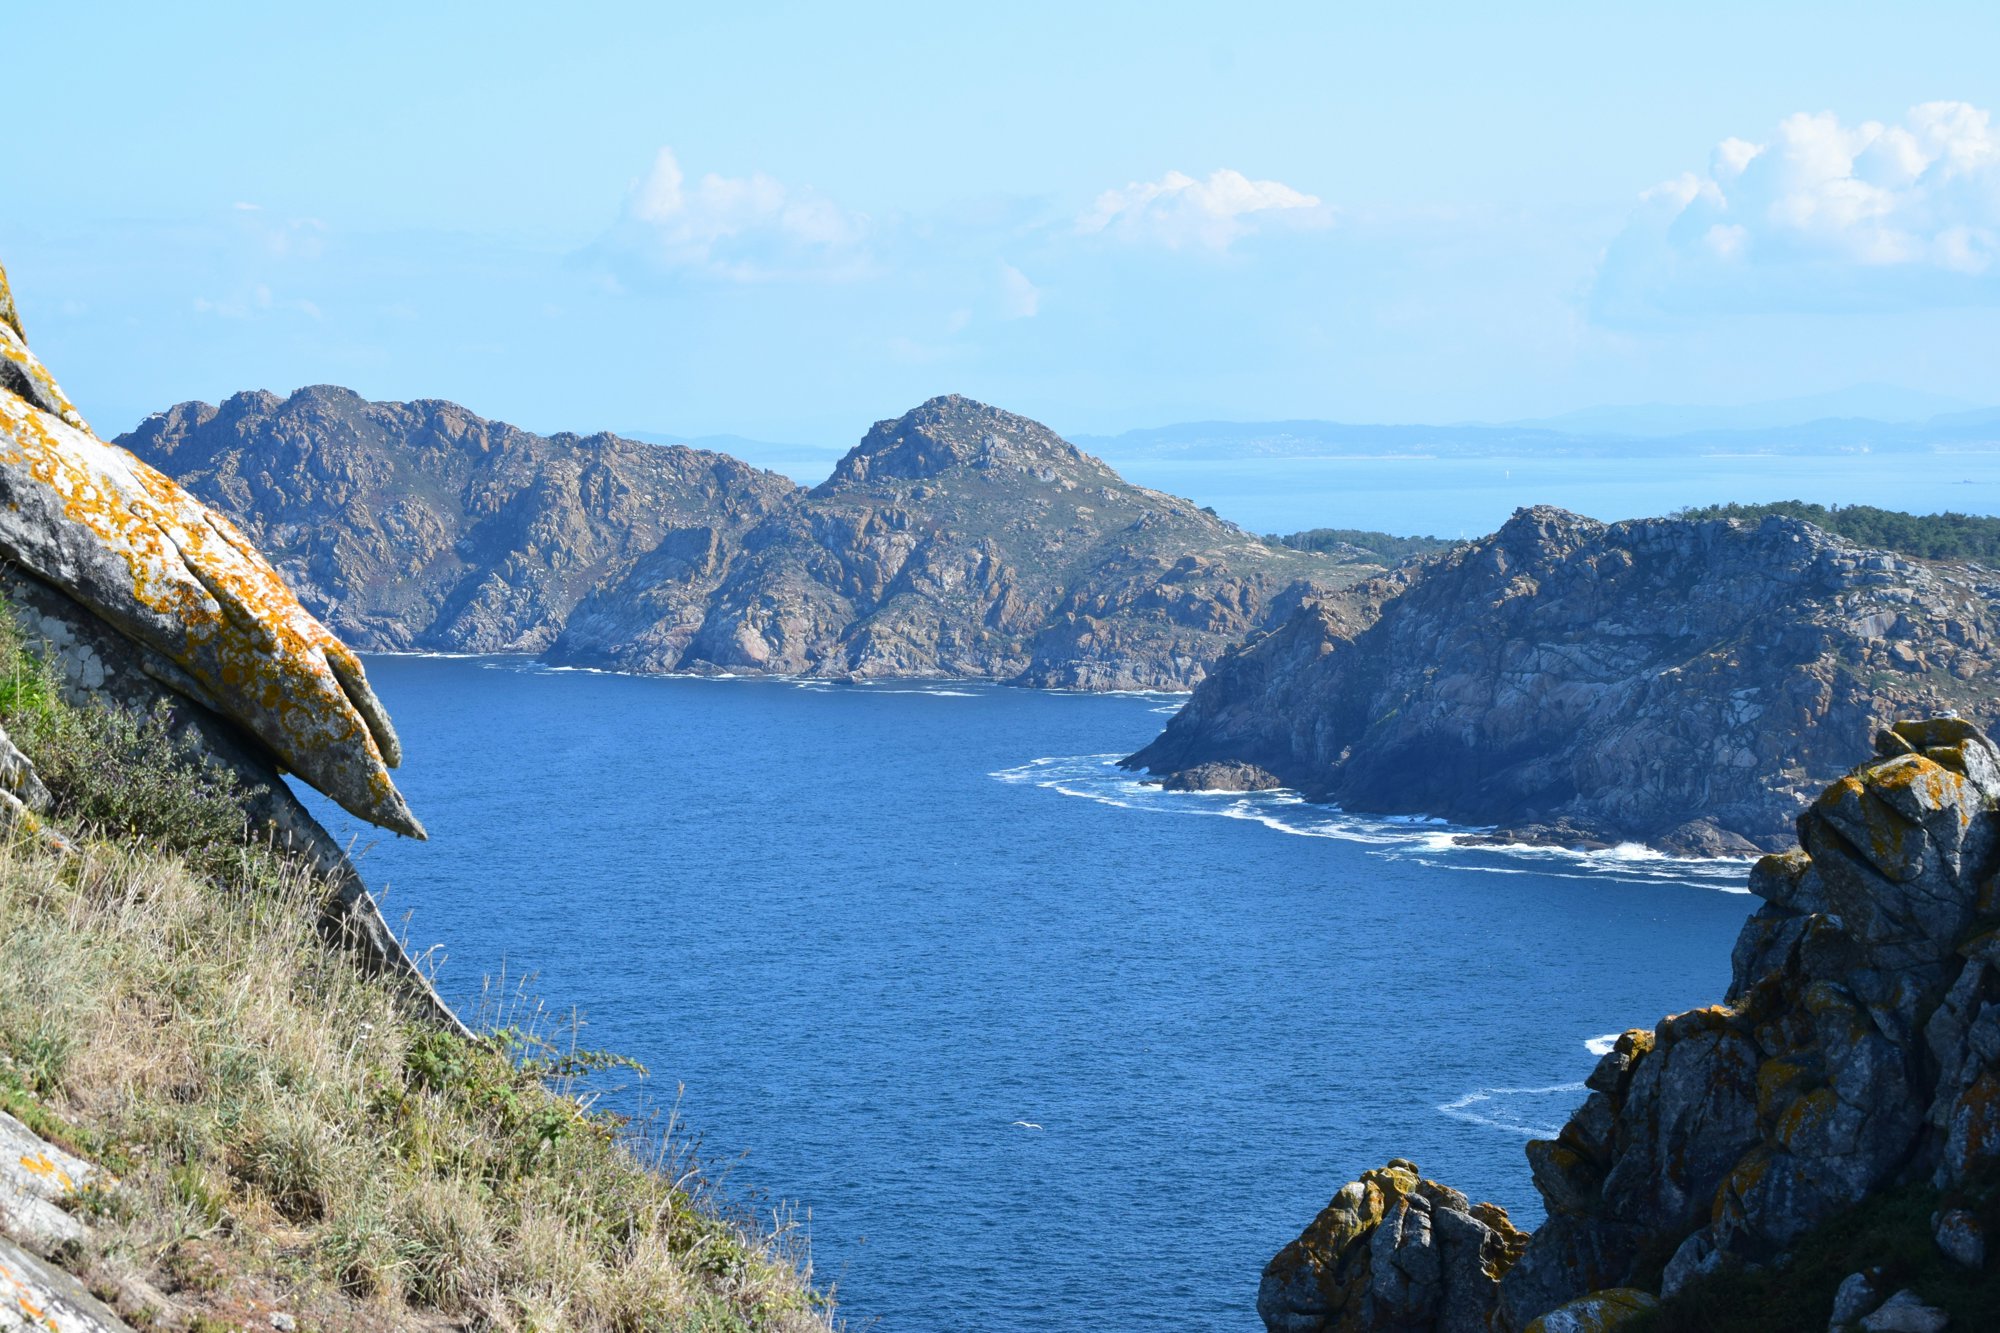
[1681, 683]
[424, 526]
[956, 541]
[1946, 536]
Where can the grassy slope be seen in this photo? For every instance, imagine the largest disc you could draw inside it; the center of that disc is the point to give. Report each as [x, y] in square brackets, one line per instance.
[286, 1139]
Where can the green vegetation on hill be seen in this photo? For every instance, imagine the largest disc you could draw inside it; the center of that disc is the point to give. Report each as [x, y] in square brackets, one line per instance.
[285, 1137]
[1389, 549]
[1891, 1232]
[1947, 536]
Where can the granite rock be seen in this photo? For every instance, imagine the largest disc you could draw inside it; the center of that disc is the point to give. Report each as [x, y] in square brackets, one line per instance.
[1683, 684]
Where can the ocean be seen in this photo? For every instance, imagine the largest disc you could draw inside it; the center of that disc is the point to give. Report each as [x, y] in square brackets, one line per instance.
[1026, 1044]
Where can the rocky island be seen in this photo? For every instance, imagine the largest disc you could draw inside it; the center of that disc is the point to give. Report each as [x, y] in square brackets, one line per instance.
[955, 541]
[1681, 683]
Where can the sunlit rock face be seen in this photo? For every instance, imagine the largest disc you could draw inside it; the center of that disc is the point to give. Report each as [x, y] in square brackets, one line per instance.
[1857, 1051]
[128, 545]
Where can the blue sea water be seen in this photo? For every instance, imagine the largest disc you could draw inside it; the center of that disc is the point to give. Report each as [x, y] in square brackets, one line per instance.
[1034, 1046]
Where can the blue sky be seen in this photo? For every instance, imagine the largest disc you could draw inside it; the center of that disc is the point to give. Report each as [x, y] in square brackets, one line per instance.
[788, 221]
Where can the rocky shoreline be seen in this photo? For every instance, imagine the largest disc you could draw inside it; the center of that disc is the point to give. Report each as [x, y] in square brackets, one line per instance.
[1681, 684]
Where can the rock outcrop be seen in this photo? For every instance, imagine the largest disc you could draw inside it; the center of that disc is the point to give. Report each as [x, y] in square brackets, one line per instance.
[956, 541]
[1857, 1049]
[147, 599]
[1682, 684]
[1392, 1251]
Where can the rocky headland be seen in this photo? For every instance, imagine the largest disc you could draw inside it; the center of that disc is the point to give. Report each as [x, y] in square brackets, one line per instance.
[1820, 1149]
[1683, 684]
[955, 541]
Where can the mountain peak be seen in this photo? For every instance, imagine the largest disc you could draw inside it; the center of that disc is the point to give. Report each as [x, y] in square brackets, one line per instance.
[948, 433]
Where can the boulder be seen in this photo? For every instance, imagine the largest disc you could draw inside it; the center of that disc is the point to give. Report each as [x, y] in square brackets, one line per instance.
[163, 569]
[1221, 777]
[1961, 1239]
[1391, 1251]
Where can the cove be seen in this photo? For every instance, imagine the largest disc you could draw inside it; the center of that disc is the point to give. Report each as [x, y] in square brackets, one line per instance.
[869, 928]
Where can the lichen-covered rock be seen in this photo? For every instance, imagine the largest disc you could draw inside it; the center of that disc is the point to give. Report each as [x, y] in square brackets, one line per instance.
[1684, 684]
[1858, 1048]
[36, 1297]
[1599, 1312]
[141, 554]
[36, 1179]
[1391, 1251]
[1221, 777]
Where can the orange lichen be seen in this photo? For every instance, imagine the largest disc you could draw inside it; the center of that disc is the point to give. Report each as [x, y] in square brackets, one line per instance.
[179, 578]
[40, 1164]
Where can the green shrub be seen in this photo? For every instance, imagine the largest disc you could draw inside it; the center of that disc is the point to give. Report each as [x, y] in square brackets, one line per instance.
[1946, 536]
[1891, 1230]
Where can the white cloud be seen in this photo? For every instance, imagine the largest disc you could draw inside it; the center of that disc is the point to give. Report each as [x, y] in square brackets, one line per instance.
[1823, 214]
[1178, 211]
[734, 228]
[1019, 298]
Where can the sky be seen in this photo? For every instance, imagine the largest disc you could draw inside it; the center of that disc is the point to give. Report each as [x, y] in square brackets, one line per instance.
[789, 221]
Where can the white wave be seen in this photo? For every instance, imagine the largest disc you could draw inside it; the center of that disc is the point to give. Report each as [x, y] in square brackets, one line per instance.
[1601, 1046]
[1427, 840]
[1510, 1109]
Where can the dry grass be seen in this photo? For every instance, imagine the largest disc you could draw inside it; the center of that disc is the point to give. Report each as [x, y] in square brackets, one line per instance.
[288, 1140]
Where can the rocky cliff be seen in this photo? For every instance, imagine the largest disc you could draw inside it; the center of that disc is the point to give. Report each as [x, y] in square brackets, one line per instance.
[957, 540]
[1683, 684]
[423, 526]
[1747, 1152]
[149, 601]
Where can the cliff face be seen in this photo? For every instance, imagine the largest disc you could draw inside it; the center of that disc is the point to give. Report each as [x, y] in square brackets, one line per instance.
[1858, 1049]
[422, 526]
[957, 540]
[1677, 683]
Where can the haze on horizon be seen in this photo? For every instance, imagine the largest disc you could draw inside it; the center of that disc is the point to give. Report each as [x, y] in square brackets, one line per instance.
[789, 221]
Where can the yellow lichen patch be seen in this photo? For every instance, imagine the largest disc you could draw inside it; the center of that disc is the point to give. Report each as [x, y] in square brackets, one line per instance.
[40, 1164]
[1776, 1081]
[169, 572]
[1805, 1115]
[1513, 1240]
[1600, 1312]
[43, 384]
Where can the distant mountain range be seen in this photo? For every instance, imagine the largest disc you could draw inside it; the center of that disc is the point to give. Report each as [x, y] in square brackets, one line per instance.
[955, 541]
[1216, 441]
